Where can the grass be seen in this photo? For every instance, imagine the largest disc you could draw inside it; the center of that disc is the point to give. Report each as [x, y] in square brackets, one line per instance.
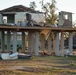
[45, 65]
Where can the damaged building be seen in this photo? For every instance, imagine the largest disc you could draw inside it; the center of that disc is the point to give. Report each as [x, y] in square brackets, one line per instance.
[12, 21]
[16, 14]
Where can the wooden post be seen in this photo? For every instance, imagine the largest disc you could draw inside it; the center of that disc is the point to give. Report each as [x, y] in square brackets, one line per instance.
[32, 43]
[23, 41]
[42, 42]
[49, 44]
[8, 40]
[62, 41]
[2, 41]
[29, 42]
[54, 41]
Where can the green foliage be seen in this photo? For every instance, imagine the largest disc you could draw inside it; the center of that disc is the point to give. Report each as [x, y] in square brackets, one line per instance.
[32, 5]
[52, 19]
[50, 8]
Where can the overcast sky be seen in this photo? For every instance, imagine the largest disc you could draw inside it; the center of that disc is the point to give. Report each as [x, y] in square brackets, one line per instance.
[62, 5]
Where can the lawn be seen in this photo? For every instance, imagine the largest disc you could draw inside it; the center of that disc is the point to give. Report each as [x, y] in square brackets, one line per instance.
[45, 65]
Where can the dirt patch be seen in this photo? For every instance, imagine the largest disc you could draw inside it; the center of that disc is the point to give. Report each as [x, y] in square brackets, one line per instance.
[47, 65]
[26, 69]
[31, 69]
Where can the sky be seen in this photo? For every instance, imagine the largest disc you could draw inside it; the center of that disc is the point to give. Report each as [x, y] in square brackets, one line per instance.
[62, 5]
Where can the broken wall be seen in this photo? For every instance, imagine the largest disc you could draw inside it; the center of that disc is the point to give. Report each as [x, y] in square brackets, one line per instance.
[65, 19]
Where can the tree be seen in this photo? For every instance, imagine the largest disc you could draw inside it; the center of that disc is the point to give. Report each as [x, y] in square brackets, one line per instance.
[49, 9]
[32, 5]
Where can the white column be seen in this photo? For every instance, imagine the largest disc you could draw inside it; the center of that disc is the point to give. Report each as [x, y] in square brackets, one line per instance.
[62, 41]
[70, 42]
[31, 42]
[8, 40]
[42, 42]
[57, 44]
[49, 44]
[2, 41]
[37, 43]
[23, 41]
[1, 19]
[15, 41]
